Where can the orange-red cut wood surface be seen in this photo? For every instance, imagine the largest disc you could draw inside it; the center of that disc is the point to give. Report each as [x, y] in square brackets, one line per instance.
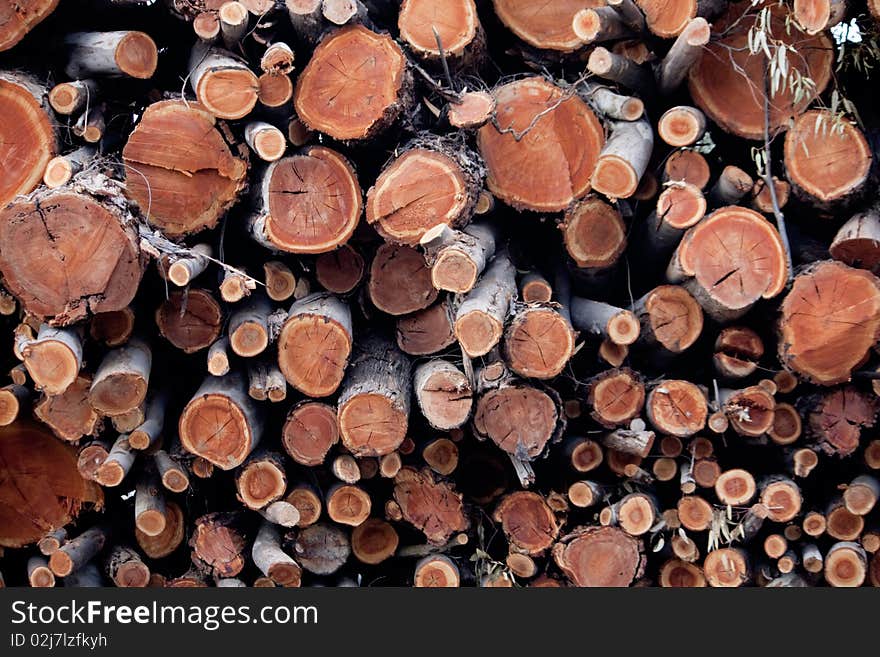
[541, 149]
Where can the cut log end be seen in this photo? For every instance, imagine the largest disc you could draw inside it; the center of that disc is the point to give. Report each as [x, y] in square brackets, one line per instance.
[527, 521]
[599, 556]
[400, 280]
[823, 337]
[348, 505]
[594, 233]
[736, 487]
[673, 317]
[616, 396]
[520, 419]
[737, 351]
[677, 408]
[726, 568]
[346, 114]
[436, 571]
[521, 174]
[374, 541]
[845, 565]
[340, 271]
[538, 343]
[681, 126]
[309, 432]
[474, 110]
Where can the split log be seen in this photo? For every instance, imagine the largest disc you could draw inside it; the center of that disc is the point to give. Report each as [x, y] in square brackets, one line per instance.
[400, 280]
[329, 98]
[738, 349]
[77, 552]
[623, 159]
[53, 359]
[118, 463]
[222, 81]
[538, 341]
[683, 55]
[618, 325]
[457, 258]
[181, 170]
[562, 134]
[730, 260]
[17, 21]
[315, 343]
[443, 393]
[374, 541]
[221, 423]
[616, 397]
[431, 506]
[676, 407]
[426, 331]
[311, 202]
[827, 160]
[750, 410]
[261, 480]
[723, 81]
[120, 382]
[594, 233]
[829, 321]
[670, 317]
[77, 250]
[480, 317]
[600, 556]
[190, 319]
[520, 418]
[857, 243]
[322, 548]
[374, 400]
[125, 568]
[272, 561]
[309, 432]
[218, 543]
[157, 547]
[340, 271]
[112, 54]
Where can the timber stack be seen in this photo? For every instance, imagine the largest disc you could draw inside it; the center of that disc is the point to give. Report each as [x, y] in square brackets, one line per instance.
[438, 293]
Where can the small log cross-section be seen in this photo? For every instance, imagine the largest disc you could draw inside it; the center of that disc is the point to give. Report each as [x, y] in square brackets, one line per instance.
[669, 317]
[120, 382]
[457, 258]
[309, 432]
[354, 86]
[594, 233]
[443, 393]
[480, 317]
[429, 505]
[315, 343]
[730, 260]
[599, 556]
[677, 408]
[311, 202]
[616, 397]
[222, 82]
[400, 280]
[180, 168]
[221, 422]
[527, 521]
[114, 54]
[550, 29]
[453, 22]
[53, 359]
[374, 400]
[190, 319]
[539, 131]
[538, 341]
[830, 319]
[434, 181]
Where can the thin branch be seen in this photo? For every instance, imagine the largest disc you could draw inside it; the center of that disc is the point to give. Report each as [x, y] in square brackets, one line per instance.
[768, 180]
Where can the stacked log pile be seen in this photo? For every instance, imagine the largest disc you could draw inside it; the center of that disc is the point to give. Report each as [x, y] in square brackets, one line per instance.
[438, 293]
